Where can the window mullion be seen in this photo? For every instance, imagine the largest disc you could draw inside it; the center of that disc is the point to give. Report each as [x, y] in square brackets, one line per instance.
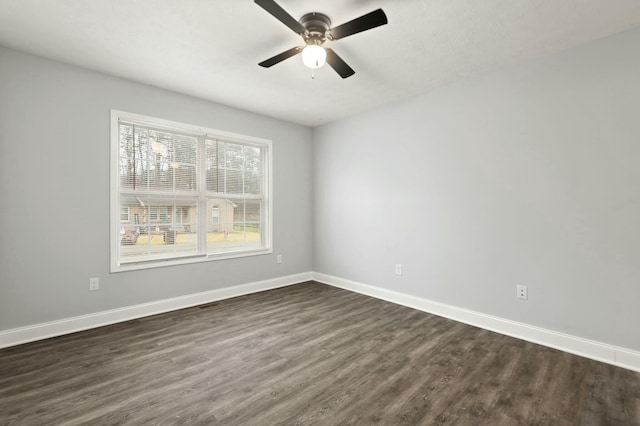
[244, 198]
[201, 175]
[224, 156]
[266, 198]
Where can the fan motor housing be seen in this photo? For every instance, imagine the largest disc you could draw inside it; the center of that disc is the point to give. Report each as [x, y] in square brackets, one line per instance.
[317, 25]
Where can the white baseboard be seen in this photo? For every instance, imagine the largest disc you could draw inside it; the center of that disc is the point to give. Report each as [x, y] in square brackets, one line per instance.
[17, 336]
[598, 351]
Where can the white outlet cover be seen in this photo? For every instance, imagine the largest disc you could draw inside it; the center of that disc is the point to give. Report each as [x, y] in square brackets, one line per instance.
[94, 284]
[522, 292]
[398, 269]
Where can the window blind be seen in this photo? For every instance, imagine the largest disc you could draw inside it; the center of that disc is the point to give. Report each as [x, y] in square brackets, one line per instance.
[182, 193]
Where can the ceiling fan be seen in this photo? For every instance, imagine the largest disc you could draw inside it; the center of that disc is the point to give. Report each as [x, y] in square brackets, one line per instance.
[315, 28]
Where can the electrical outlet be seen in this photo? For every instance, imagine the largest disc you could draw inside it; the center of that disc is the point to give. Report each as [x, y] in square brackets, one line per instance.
[94, 284]
[522, 292]
[398, 269]
[279, 258]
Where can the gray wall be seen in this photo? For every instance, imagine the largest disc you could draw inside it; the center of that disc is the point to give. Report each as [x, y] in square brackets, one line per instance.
[529, 175]
[54, 185]
[524, 176]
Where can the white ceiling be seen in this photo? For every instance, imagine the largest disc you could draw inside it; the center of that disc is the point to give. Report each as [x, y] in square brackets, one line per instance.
[210, 48]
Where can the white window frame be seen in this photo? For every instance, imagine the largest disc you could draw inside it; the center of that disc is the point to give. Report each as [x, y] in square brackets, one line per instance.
[203, 134]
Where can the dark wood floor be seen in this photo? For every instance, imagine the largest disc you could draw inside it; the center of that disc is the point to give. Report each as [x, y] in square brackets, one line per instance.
[306, 354]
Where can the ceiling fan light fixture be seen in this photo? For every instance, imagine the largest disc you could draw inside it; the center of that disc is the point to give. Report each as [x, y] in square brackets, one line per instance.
[314, 56]
[315, 29]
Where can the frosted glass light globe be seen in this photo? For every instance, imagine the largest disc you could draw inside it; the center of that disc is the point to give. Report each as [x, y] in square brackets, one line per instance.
[314, 56]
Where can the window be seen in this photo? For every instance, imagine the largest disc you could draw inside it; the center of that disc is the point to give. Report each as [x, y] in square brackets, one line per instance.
[215, 215]
[158, 213]
[124, 214]
[181, 216]
[171, 176]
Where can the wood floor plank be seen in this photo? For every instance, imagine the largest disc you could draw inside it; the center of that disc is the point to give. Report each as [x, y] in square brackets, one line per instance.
[302, 355]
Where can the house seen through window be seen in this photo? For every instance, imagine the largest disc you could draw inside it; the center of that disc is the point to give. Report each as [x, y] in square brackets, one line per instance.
[166, 176]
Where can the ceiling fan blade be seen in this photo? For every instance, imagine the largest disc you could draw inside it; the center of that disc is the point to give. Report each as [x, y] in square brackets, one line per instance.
[338, 64]
[280, 57]
[363, 23]
[281, 15]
